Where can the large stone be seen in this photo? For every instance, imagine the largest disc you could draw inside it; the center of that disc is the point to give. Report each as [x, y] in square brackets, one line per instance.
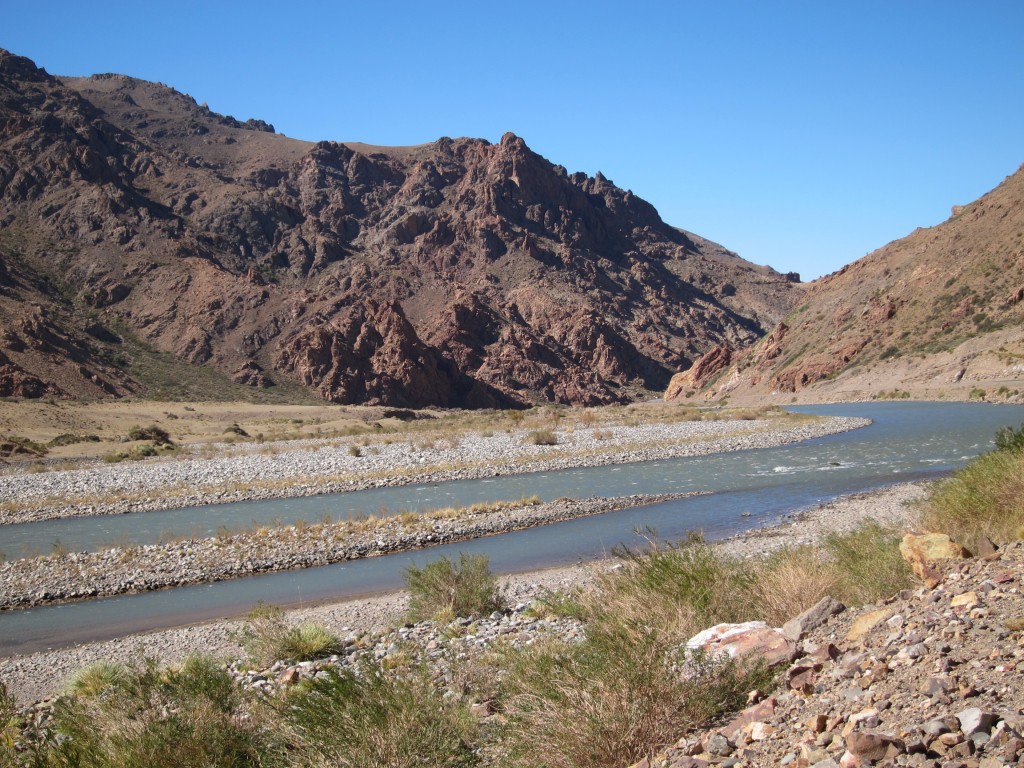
[865, 623]
[797, 628]
[975, 720]
[763, 710]
[873, 746]
[927, 548]
[965, 600]
[750, 639]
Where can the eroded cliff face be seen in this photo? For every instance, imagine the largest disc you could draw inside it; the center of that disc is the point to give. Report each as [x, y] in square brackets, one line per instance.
[458, 273]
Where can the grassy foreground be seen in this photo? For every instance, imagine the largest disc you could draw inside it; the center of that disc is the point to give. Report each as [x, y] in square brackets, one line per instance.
[623, 691]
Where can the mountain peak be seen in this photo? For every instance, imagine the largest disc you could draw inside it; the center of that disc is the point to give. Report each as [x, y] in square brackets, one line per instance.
[455, 273]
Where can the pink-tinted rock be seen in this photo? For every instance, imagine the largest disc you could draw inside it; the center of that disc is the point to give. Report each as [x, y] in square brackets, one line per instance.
[750, 639]
[760, 711]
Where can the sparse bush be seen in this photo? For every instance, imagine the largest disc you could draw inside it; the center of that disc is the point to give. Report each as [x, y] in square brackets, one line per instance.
[143, 451]
[446, 589]
[137, 453]
[160, 717]
[370, 719]
[58, 549]
[792, 580]
[94, 679]
[691, 576]
[984, 498]
[1010, 439]
[542, 437]
[69, 439]
[157, 435]
[309, 640]
[355, 450]
[15, 445]
[868, 564]
[15, 748]
[614, 698]
[267, 638]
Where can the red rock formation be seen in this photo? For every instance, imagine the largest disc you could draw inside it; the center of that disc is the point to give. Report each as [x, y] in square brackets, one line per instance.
[453, 273]
[705, 369]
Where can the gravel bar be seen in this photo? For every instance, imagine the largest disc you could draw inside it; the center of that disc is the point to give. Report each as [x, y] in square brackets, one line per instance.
[330, 466]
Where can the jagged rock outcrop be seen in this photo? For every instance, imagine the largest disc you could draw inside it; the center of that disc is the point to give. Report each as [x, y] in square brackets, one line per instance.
[454, 273]
[705, 369]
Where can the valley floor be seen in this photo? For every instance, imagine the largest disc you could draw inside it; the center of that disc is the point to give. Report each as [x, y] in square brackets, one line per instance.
[41, 675]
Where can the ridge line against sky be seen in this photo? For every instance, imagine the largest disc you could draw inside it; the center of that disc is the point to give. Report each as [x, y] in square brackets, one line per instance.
[801, 135]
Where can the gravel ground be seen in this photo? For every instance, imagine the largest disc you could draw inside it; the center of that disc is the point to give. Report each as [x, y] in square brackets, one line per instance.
[37, 676]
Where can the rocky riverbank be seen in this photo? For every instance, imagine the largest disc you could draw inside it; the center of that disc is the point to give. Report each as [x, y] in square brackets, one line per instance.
[40, 675]
[119, 570]
[929, 677]
[332, 466]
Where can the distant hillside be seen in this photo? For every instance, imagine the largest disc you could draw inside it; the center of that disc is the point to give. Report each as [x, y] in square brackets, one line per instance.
[936, 314]
[138, 226]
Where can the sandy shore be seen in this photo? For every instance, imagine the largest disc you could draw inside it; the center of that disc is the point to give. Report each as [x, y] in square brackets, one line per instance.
[40, 675]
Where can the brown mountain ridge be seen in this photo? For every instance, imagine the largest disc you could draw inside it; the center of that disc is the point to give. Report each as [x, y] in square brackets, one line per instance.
[457, 273]
[938, 313]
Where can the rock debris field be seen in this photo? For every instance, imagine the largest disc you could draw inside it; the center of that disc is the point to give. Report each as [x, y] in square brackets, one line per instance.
[929, 678]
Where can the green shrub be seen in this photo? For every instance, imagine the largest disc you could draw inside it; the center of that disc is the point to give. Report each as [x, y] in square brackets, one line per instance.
[14, 445]
[158, 717]
[309, 640]
[984, 498]
[868, 564]
[267, 638]
[1010, 439]
[692, 576]
[12, 725]
[143, 451]
[613, 699]
[69, 439]
[542, 437]
[372, 719]
[446, 589]
[158, 435]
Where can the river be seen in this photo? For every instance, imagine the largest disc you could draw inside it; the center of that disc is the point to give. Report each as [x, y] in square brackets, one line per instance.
[747, 489]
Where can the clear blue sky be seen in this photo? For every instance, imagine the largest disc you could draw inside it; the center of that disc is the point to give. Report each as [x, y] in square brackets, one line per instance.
[799, 134]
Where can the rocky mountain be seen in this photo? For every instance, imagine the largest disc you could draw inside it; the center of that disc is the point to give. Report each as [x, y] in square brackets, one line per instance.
[938, 313]
[457, 273]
